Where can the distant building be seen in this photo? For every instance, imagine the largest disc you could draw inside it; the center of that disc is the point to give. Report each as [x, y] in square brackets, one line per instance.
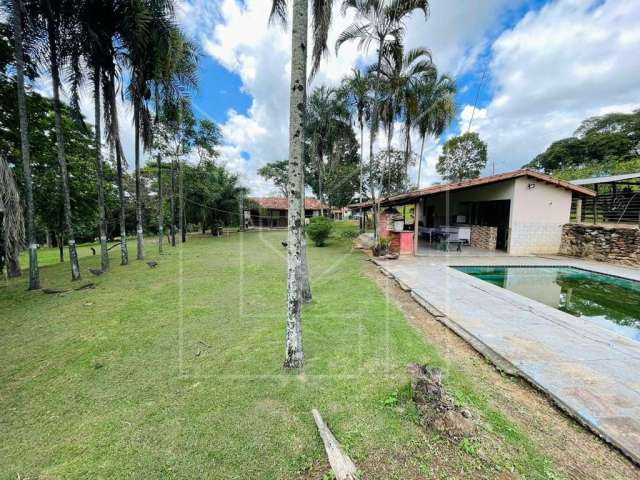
[271, 212]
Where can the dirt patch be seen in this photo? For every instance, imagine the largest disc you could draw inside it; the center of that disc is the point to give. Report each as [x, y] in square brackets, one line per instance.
[575, 451]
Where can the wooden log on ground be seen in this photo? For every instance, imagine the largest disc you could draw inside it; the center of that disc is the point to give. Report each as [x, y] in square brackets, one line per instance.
[343, 467]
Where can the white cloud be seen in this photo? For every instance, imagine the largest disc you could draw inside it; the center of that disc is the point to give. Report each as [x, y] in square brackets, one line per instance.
[556, 67]
[237, 34]
[457, 31]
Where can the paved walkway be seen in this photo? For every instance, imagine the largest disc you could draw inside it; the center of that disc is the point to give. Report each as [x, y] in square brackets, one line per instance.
[590, 372]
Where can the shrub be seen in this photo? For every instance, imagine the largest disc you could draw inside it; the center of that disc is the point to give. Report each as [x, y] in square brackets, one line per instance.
[319, 230]
[349, 234]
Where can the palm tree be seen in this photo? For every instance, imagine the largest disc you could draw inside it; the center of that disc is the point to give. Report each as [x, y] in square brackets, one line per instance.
[327, 118]
[60, 20]
[436, 100]
[34, 274]
[174, 73]
[400, 75]
[380, 22]
[92, 50]
[149, 29]
[294, 356]
[357, 88]
[12, 224]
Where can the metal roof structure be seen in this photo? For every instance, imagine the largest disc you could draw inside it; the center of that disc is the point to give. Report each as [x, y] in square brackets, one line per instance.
[610, 179]
[408, 197]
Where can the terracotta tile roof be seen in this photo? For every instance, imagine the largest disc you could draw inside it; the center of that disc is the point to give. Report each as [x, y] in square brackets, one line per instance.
[281, 203]
[447, 187]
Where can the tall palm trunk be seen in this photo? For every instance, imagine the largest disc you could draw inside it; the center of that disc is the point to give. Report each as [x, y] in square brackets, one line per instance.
[104, 252]
[304, 283]
[160, 206]
[294, 356]
[362, 222]
[172, 201]
[420, 164]
[181, 212]
[34, 273]
[55, 77]
[124, 252]
[374, 123]
[139, 230]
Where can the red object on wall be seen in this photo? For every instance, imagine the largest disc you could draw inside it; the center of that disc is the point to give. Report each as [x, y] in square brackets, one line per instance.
[406, 243]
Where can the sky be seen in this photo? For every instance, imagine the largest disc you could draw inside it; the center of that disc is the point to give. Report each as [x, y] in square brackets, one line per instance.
[534, 69]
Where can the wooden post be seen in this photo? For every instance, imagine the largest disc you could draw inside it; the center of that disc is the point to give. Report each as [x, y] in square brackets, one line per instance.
[417, 213]
[595, 206]
[579, 210]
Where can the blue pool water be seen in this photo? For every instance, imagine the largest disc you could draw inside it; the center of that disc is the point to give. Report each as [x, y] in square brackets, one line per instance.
[611, 302]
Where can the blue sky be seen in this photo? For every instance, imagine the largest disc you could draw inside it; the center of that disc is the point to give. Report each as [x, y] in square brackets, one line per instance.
[547, 65]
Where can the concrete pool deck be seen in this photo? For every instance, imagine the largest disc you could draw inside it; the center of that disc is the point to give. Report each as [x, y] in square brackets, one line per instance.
[590, 372]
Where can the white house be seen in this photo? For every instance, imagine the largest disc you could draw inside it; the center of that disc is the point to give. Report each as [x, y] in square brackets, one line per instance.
[520, 212]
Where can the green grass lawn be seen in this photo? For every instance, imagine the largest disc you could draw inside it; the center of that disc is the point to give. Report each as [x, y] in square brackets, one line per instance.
[176, 372]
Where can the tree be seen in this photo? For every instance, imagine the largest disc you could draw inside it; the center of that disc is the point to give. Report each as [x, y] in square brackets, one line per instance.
[12, 224]
[401, 74]
[57, 22]
[277, 172]
[150, 23]
[297, 276]
[175, 139]
[357, 88]
[174, 74]
[327, 121]
[599, 143]
[340, 175]
[462, 158]
[34, 276]
[382, 23]
[437, 108]
[391, 166]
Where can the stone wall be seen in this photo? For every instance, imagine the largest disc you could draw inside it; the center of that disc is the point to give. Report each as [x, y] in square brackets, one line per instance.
[484, 237]
[617, 244]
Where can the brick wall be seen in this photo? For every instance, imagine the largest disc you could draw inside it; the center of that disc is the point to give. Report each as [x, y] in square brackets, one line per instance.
[484, 237]
[616, 244]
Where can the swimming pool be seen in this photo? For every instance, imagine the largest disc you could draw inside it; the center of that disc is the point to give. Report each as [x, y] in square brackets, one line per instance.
[611, 302]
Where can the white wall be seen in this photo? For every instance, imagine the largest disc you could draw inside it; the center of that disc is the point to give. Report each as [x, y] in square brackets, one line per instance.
[538, 211]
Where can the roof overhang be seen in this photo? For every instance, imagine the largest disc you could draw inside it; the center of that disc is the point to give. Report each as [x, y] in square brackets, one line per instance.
[411, 197]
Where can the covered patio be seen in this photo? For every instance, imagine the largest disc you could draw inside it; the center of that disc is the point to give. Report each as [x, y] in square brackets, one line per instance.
[515, 213]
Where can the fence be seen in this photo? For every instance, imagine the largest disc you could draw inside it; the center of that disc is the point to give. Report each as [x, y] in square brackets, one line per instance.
[611, 207]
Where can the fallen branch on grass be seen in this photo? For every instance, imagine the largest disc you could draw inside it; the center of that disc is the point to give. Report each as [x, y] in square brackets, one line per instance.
[343, 467]
[53, 291]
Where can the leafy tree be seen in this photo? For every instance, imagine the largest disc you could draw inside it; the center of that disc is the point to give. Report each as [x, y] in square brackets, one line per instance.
[340, 174]
[463, 157]
[276, 172]
[207, 139]
[599, 143]
[47, 193]
[386, 174]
